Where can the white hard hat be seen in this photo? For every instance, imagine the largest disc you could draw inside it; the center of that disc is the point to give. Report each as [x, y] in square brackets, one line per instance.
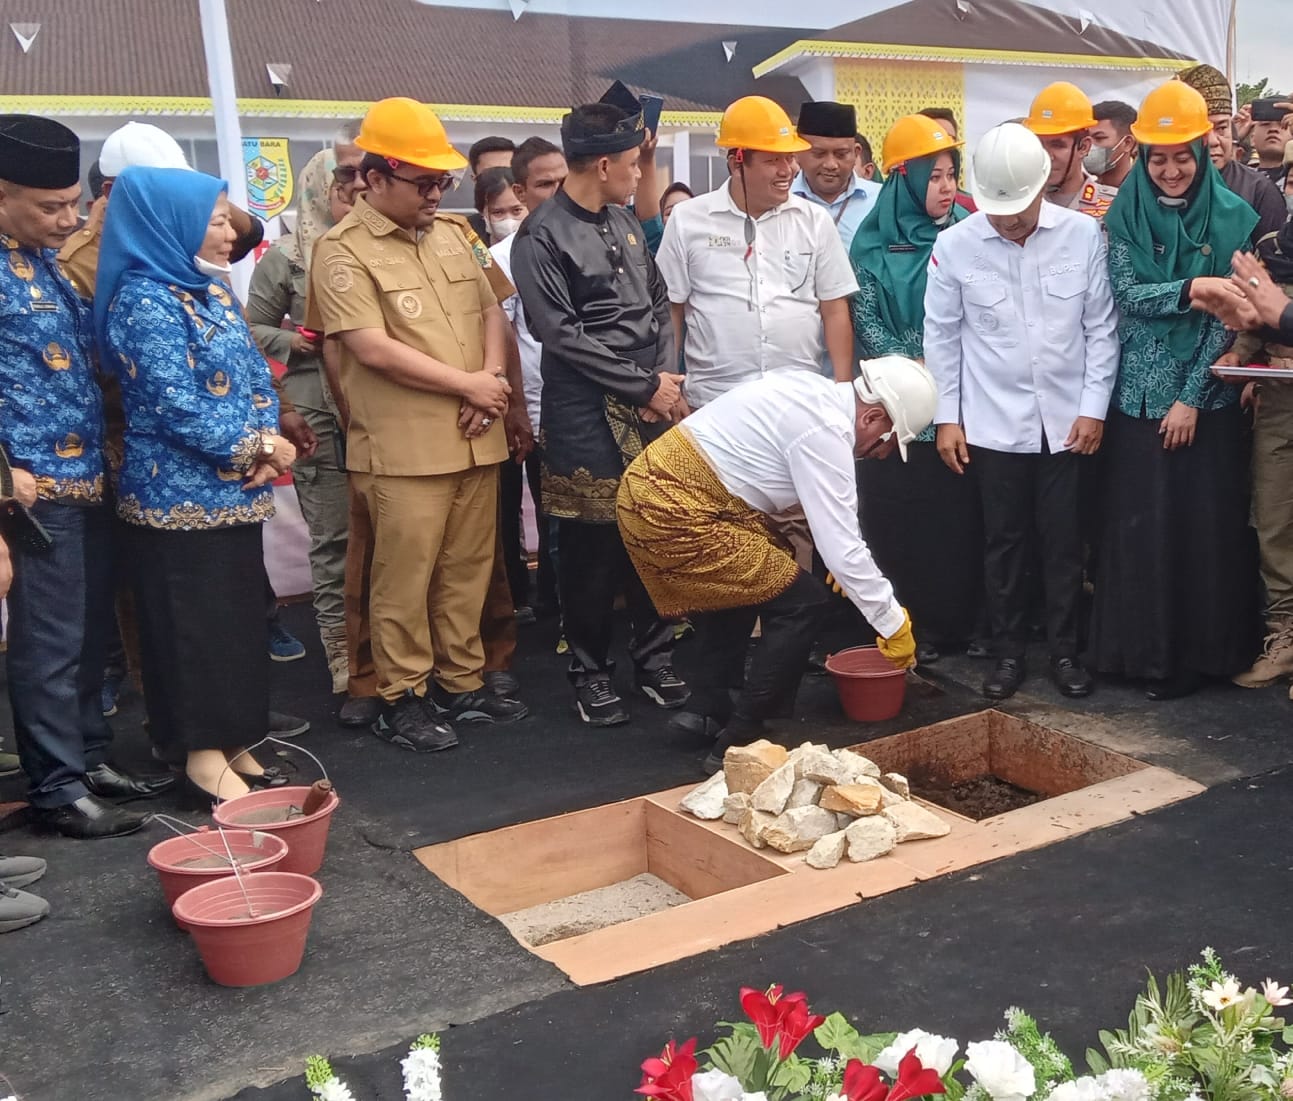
[906, 390]
[139, 145]
[1010, 169]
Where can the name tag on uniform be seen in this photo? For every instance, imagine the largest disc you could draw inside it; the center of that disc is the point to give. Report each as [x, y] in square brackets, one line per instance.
[449, 251]
[44, 307]
[718, 241]
[902, 248]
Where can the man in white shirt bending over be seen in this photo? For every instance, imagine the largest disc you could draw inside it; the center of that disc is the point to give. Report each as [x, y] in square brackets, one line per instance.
[758, 275]
[1021, 337]
[694, 512]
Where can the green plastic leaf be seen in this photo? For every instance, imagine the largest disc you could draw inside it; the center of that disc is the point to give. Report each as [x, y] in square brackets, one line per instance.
[789, 1078]
[737, 1055]
[835, 1033]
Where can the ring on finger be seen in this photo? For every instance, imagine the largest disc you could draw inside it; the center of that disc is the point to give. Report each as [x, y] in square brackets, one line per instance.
[1254, 282]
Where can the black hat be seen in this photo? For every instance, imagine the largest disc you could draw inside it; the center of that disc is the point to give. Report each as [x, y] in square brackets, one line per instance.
[580, 139]
[38, 152]
[824, 119]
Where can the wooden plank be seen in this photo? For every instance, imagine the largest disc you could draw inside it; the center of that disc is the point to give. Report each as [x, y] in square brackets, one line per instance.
[1049, 762]
[700, 862]
[521, 866]
[953, 750]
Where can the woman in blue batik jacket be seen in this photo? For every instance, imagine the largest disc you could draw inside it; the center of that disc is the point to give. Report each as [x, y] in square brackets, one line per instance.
[201, 446]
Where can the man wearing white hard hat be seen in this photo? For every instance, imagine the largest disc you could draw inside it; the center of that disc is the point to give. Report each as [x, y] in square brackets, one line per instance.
[141, 145]
[694, 512]
[1021, 337]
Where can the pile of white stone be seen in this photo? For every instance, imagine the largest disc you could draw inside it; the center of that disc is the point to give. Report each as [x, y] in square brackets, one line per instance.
[831, 803]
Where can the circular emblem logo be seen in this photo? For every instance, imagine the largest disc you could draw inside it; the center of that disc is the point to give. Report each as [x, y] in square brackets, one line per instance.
[341, 279]
[988, 322]
[410, 305]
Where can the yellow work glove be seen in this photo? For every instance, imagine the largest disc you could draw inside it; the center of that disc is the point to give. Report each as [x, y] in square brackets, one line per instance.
[834, 585]
[900, 647]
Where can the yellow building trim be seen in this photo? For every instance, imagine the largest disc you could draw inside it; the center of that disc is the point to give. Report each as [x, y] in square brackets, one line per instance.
[305, 109]
[888, 51]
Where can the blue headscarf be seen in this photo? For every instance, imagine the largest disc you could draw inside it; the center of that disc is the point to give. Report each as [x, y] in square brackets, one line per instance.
[157, 218]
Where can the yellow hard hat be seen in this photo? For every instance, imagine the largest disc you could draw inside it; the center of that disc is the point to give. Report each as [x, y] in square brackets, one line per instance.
[914, 136]
[408, 131]
[1060, 108]
[756, 122]
[1172, 114]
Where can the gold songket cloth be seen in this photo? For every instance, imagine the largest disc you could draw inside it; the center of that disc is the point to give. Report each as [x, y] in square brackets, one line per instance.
[696, 547]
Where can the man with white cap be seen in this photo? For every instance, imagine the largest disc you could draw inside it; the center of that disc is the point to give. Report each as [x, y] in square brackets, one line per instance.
[1021, 337]
[695, 511]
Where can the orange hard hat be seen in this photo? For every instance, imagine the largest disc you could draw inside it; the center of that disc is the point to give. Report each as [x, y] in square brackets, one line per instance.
[1060, 108]
[1172, 114]
[914, 136]
[408, 131]
[756, 122]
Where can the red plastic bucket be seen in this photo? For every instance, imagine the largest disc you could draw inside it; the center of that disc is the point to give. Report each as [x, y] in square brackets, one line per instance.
[870, 686]
[238, 949]
[306, 837]
[174, 858]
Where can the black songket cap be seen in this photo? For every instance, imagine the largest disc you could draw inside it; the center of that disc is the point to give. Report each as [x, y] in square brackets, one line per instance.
[825, 119]
[584, 132]
[38, 152]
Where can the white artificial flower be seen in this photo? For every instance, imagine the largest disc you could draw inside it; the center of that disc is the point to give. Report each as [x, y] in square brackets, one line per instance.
[1222, 994]
[421, 1068]
[1276, 994]
[1001, 1070]
[715, 1085]
[334, 1090]
[935, 1052]
[1122, 1084]
[760, 1096]
[1080, 1089]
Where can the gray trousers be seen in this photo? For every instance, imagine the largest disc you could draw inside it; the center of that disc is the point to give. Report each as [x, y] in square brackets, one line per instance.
[321, 488]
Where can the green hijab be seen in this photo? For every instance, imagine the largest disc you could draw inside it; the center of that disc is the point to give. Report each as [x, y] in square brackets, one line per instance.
[1171, 243]
[895, 240]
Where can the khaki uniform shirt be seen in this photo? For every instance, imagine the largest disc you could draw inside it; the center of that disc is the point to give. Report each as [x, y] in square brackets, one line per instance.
[79, 256]
[429, 294]
[1093, 198]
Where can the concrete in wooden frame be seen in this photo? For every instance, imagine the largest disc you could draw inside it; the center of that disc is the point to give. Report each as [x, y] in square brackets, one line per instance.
[740, 892]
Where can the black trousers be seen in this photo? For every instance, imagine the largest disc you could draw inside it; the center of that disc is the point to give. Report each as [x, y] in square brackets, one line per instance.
[60, 605]
[511, 484]
[201, 603]
[1031, 510]
[790, 623]
[593, 569]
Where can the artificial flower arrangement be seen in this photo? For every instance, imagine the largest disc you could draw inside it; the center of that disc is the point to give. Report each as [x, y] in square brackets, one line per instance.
[421, 1067]
[1201, 1038]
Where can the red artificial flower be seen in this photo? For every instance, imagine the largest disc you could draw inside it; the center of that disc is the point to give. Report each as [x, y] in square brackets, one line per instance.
[862, 1082]
[915, 1080]
[761, 1006]
[669, 1076]
[796, 1023]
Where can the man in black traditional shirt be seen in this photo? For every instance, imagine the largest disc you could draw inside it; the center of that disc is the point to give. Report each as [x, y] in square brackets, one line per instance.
[597, 304]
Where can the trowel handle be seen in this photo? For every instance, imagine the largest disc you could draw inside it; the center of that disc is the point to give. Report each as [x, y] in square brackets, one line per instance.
[314, 799]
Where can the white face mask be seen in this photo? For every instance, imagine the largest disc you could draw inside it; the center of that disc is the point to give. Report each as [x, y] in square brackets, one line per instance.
[214, 271]
[503, 227]
[1101, 159]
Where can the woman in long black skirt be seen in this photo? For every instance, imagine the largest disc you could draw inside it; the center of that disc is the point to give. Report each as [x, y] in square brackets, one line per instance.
[202, 444]
[1176, 591]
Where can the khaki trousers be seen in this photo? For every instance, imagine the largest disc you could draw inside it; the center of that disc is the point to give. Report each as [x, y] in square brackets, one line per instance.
[1273, 494]
[433, 554]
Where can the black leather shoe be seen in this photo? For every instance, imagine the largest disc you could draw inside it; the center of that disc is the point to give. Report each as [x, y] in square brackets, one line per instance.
[1004, 681]
[926, 654]
[499, 682]
[90, 817]
[272, 777]
[1071, 678]
[1173, 688]
[360, 711]
[111, 783]
[695, 724]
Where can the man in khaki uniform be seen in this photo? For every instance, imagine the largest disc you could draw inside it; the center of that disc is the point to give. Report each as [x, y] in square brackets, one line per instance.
[422, 368]
[1062, 117]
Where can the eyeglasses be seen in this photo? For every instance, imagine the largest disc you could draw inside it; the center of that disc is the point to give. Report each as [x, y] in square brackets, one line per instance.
[427, 184]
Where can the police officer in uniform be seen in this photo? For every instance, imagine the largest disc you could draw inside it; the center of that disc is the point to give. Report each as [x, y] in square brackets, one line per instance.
[422, 371]
[1062, 117]
[51, 425]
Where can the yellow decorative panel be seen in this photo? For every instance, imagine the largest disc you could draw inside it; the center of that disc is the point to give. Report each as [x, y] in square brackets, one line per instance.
[885, 90]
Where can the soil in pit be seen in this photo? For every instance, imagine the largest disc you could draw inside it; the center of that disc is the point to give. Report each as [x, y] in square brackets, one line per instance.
[592, 910]
[978, 798]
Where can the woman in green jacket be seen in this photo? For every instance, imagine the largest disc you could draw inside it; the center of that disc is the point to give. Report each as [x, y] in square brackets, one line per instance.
[920, 520]
[1176, 589]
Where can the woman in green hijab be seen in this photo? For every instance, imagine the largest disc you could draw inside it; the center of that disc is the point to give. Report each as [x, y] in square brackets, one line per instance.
[1176, 591]
[921, 521]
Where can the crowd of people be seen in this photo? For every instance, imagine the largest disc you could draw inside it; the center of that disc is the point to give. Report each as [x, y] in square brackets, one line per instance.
[971, 413]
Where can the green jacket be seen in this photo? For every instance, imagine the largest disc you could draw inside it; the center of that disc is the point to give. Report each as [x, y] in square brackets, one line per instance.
[872, 337]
